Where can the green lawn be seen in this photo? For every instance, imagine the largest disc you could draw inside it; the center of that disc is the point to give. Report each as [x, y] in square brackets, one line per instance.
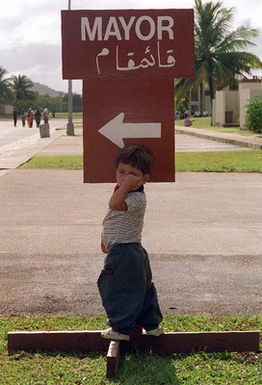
[64, 115]
[205, 123]
[89, 369]
[55, 162]
[221, 161]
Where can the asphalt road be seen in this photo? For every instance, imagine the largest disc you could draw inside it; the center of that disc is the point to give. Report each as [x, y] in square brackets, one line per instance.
[203, 234]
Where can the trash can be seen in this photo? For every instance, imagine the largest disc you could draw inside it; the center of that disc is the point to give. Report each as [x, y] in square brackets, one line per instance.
[44, 130]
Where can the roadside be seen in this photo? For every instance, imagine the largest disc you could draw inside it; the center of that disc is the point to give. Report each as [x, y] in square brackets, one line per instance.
[18, 144]
[26, 143]
[254, 141]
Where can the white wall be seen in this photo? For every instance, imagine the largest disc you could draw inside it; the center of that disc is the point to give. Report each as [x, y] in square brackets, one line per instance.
[220, 102]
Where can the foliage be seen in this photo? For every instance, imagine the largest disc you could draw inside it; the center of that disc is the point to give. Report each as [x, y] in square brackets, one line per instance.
[5, 91]
[254, 115]
[220, 52]
[21, 87]
[18, 91]
[77, 102]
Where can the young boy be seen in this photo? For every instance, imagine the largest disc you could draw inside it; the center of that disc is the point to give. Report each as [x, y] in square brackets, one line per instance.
[125, 284]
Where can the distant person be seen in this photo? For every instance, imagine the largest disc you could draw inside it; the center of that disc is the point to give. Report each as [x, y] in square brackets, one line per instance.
[15, 114]
[188, 121]
[38, 117]
[23, 118]
[46, 115]
[30, 117]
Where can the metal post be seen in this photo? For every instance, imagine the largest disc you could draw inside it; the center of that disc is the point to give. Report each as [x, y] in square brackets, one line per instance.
[70, 125]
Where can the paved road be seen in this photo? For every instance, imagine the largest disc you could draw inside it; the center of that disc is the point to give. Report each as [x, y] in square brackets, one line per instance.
[10, 135]
[18, 144]
[203, 234]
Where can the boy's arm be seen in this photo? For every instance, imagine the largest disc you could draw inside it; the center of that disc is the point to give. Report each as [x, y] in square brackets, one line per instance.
[117, 200]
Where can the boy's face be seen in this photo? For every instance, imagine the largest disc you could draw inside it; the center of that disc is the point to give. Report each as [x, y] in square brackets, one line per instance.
[125, 169]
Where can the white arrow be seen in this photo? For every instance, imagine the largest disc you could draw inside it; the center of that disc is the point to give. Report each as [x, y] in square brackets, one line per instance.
[116, 130]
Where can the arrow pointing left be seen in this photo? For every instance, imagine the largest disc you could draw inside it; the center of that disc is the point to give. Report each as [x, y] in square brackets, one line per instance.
[116, 130]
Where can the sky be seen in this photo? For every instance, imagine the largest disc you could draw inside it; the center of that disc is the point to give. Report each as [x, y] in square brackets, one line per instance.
[30, 32]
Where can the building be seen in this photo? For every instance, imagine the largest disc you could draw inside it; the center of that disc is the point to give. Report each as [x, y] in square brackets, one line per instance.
[229, 106]
[6, 109]
[195, 100]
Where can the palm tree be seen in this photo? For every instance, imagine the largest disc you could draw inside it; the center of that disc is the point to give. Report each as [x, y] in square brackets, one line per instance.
[220, 52]
[5, 86]
[21, 87]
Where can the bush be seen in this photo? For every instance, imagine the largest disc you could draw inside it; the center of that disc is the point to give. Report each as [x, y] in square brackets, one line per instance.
[254, 115]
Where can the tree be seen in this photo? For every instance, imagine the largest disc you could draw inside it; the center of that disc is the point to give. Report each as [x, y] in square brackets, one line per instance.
[5, 86]
[254, 115]
[54, 104]
[21, 87]
[77, 102]
[220, 52]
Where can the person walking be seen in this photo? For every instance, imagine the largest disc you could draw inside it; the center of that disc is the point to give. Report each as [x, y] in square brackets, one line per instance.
[30, 117]
[15, 114]
[46, 115]
[38, 117]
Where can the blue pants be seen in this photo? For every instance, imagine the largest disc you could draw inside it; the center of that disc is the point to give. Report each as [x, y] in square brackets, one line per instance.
[126, 288]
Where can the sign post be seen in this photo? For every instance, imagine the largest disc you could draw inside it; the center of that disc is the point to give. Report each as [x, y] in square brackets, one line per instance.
[128, 60]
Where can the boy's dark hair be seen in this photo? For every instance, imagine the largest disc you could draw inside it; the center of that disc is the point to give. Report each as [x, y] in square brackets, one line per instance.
[139, 157]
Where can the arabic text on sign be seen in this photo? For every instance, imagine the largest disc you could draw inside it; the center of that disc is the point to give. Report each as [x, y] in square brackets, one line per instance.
[146, 62]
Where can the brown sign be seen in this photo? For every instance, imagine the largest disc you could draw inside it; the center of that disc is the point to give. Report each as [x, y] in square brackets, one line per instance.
[144, 50]
[128, 44]
[127, 112]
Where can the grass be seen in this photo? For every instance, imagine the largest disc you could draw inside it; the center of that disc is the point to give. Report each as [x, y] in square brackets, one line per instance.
[137, 369]
[205, 123]
[221, 161]
[64, 115]
[55, 162]
[231, 161]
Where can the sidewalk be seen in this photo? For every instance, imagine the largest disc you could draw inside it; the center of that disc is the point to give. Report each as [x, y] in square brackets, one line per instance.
[254, 141]
[16, 152]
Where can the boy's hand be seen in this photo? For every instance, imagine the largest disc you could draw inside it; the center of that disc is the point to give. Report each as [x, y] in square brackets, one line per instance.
[103, 247]
[133, 182]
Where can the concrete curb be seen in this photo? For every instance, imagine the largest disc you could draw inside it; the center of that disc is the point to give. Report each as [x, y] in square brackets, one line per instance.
[253, 142]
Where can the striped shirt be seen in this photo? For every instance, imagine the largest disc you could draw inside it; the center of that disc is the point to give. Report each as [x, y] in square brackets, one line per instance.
[125, 226]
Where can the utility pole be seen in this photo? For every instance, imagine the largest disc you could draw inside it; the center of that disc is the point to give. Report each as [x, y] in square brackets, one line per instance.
[70, 124]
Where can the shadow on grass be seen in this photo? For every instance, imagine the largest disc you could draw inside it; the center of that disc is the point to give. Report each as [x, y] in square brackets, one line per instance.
[134, 369]
[141, 369]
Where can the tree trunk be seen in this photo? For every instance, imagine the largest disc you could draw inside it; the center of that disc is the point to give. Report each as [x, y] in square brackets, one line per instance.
[212, 93]
[201, 98]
